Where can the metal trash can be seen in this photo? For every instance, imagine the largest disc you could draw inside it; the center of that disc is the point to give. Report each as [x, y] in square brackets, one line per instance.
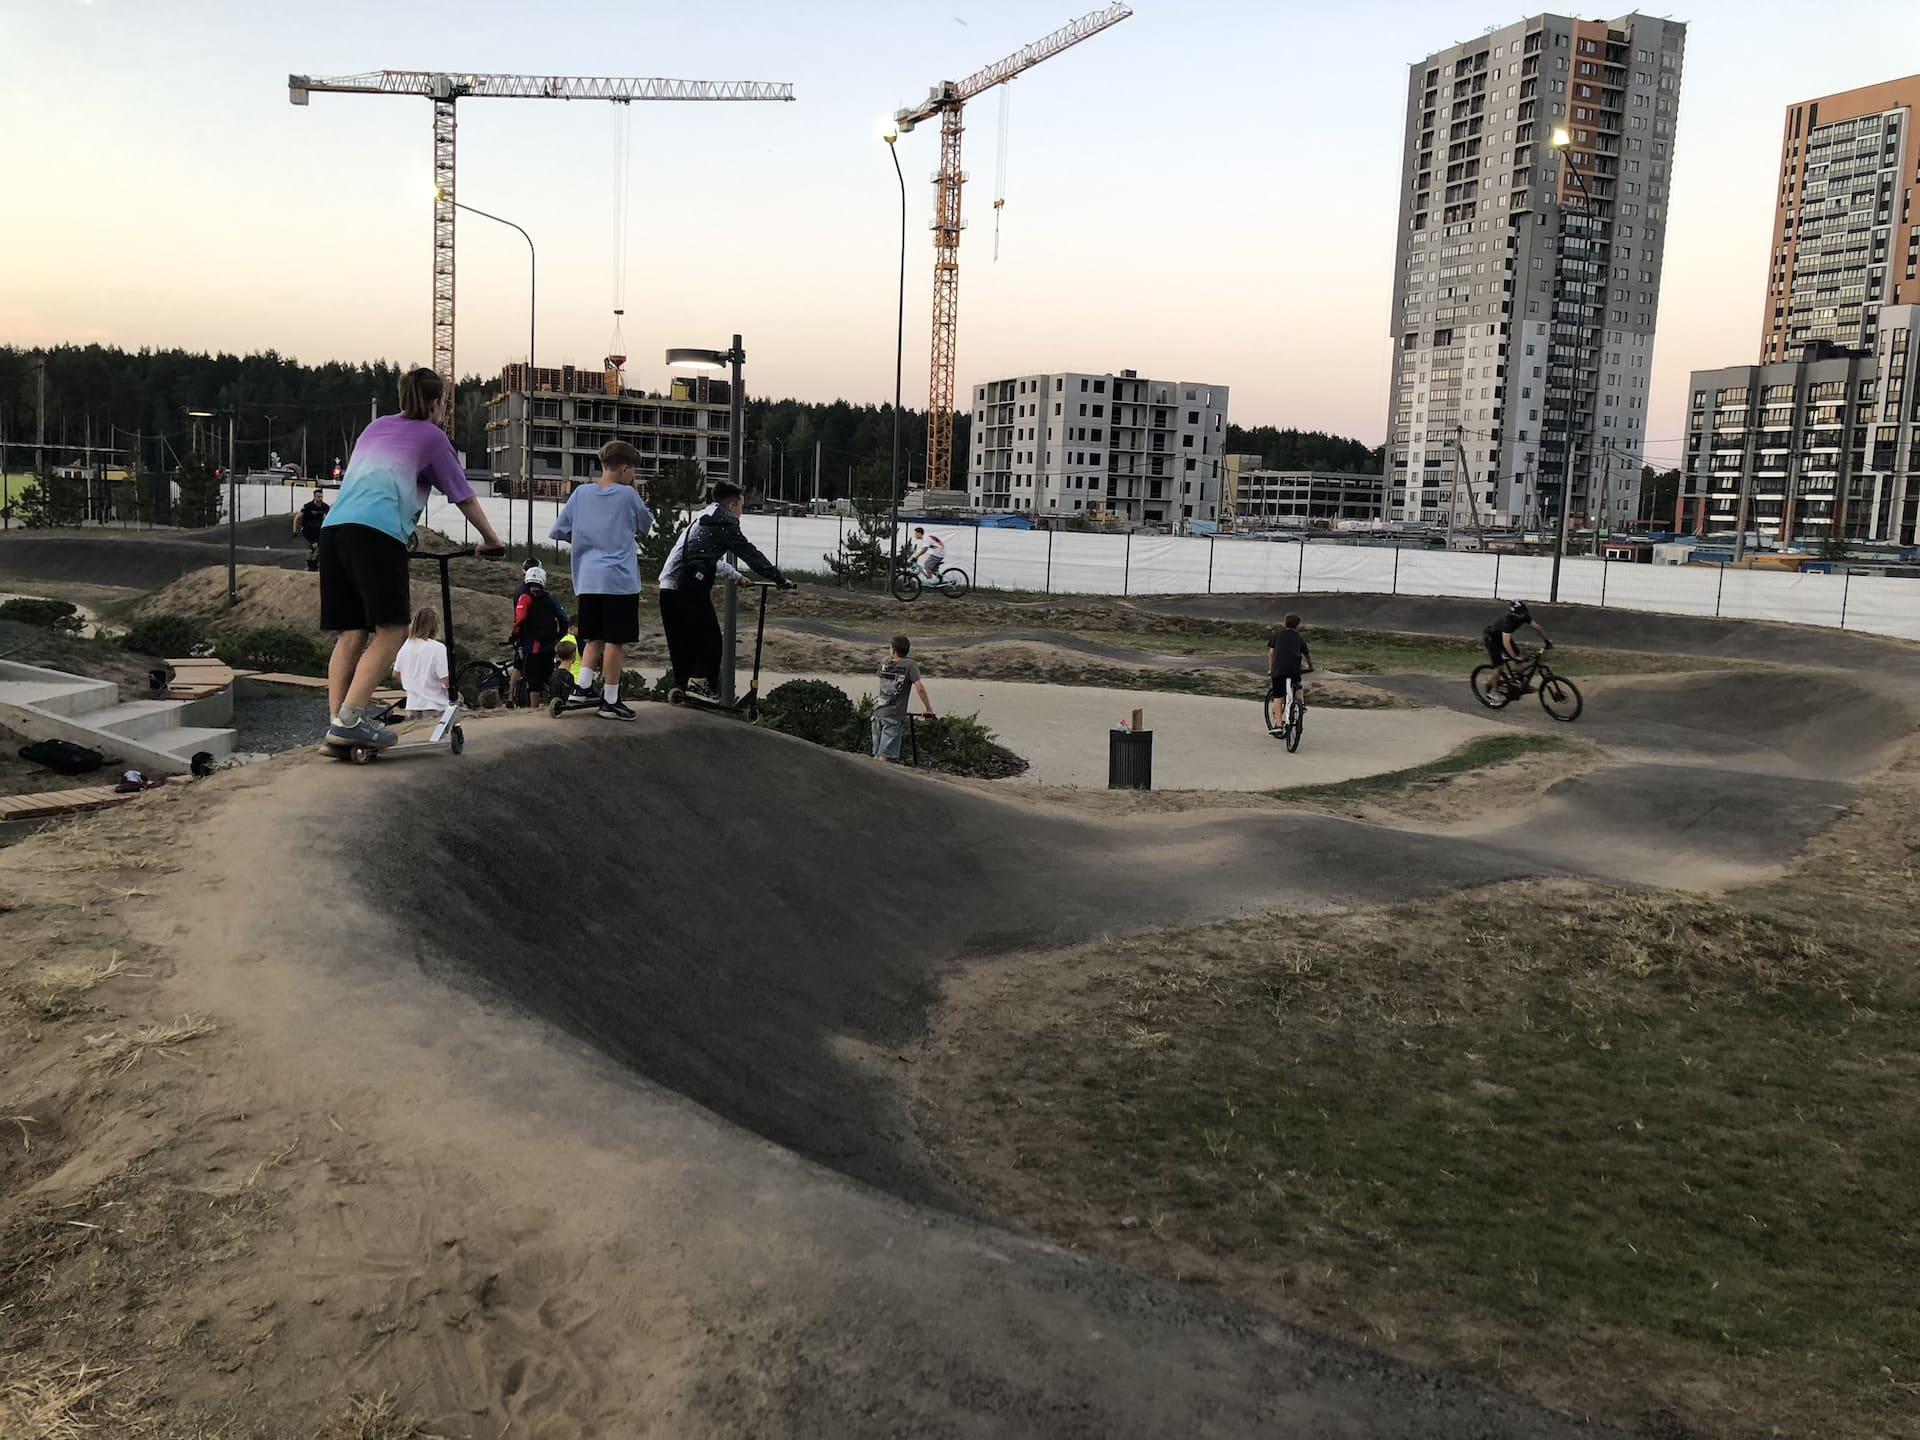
[1129, 759]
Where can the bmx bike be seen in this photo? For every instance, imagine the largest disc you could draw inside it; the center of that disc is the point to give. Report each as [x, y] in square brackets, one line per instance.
[491, 684]
[1291, 718]
[909, 580]
[1497, 686]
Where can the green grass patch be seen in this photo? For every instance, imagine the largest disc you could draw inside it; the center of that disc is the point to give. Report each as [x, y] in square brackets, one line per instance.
[1476, 754]
[1647, 1156]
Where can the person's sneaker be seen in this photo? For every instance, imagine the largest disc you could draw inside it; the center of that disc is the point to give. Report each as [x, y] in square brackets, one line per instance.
[702, 689]
[362, 732]
[616, 710]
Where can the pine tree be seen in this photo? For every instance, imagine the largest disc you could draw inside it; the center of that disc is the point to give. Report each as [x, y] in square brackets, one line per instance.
[673, 498]
[863, 553]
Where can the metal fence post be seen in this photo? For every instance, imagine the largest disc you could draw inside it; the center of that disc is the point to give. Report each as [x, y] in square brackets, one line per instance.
[1049, 581]
[1846, 584]
[1718, 589]
[1210, 564]
[1126, 565]
[1300, 575]
[1496, 574]
[1605, 565]
[776, 539]
[1396, 570]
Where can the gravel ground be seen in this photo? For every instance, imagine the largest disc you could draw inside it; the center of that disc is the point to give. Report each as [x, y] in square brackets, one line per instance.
[269, 724]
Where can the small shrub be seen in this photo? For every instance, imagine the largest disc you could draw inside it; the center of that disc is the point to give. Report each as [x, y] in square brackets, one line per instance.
[812, 710]
[56, 615]
[961, 745]
[274, 648]
[163, 635]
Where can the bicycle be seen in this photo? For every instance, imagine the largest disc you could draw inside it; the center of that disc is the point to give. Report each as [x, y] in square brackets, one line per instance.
[1293, 718]
[1497, 686]
[909, 580]
[490, 684]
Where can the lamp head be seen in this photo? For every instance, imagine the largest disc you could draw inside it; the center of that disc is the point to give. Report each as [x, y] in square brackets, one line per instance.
[888, 129]
[687, 358]
[1561, 138]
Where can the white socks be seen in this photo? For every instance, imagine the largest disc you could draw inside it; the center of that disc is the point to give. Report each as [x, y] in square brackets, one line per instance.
[611, 692]
[586, 677]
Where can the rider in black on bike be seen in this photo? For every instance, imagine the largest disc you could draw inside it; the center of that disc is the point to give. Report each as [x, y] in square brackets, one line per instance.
[1499, 635]
[307, 525]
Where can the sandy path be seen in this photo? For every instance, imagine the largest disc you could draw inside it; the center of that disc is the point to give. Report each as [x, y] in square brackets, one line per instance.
[1201, 742]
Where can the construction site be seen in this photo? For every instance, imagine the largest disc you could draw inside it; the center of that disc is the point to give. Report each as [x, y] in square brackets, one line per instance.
[1137, 1057]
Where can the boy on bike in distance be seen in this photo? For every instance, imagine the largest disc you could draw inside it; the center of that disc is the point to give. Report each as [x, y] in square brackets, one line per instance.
[308, 524]
[1287, 659]
[1499, 635]
[929, 552]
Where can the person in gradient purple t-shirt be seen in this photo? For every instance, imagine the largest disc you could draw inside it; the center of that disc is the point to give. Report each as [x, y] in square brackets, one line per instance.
[364, 592]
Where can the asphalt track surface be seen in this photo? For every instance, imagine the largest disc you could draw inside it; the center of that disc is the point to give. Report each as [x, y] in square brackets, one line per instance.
[139, 560]
[692, 919]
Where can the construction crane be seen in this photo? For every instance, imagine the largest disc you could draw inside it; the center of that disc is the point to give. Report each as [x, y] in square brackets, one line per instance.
[445, 89]
[947, 100]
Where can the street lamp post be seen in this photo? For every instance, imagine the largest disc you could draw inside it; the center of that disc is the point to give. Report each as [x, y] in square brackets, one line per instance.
[1560, 141]
[526, 430]
[731, 360]
[892, 136]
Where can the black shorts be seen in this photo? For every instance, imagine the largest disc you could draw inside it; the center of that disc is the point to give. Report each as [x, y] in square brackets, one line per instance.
[1278, 688]
[538, 668]
[1496, 645]
[610, 619]
[363, 579]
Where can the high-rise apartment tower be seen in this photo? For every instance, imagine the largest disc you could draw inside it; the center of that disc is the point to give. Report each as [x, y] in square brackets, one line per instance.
[1846, 235]
[1527, 281]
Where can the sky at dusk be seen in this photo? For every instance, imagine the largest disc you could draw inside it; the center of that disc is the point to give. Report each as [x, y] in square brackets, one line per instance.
[1206, 191]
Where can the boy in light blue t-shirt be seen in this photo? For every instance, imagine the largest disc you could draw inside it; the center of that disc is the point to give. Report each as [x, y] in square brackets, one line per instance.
[604, 523]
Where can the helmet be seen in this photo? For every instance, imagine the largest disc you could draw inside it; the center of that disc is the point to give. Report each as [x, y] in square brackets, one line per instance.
[536, 575]
[1517, 607]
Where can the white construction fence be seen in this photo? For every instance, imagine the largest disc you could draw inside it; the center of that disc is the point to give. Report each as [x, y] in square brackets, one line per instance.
[1066, 562]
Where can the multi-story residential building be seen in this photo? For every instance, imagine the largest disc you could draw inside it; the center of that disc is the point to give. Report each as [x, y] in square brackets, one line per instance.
[1527, 282]
[1846, 236]
[1257, 496]
[1824, 446]
[1081, 442]
[576, 411]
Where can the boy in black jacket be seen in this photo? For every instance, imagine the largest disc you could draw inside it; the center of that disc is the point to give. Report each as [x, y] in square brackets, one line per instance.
[705, 552]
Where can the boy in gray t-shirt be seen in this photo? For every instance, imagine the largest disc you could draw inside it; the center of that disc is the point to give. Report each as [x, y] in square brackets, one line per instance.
[899, 676]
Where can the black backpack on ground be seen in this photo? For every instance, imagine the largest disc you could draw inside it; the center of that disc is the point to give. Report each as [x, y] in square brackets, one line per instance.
[63, 756]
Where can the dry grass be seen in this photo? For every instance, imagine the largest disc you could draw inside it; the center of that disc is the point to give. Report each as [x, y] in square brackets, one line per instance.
[43, 1401]
[375, 1417]
[118, 1054]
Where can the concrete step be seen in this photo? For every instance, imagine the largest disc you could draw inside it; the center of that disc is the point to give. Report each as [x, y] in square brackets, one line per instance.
[136, 719]
[182, 741]
[68, 696]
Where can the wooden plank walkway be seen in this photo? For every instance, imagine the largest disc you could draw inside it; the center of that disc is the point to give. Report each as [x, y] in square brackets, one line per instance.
[311, 682]
[60, 802]
[197, 678]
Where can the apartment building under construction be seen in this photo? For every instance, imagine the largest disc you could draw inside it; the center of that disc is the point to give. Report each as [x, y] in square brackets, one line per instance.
[577, 410]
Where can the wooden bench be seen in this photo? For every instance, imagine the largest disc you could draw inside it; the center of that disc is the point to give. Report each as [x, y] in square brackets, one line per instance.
[60, 802]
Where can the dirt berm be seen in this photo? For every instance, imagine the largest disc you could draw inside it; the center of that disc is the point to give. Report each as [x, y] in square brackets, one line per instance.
[291, 599]
[551, 1226]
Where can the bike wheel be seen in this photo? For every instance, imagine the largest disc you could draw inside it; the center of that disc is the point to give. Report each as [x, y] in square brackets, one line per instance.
[1488, 689]
[955, 582]
[1266, 713]
[1560, 698]
[1297, 728]
[906, 585]
[481, 684]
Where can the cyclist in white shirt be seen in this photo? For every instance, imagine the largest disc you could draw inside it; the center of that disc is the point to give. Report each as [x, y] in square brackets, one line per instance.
[929, 552]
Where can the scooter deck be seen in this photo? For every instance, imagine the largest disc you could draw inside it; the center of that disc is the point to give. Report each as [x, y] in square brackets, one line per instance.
[747, 706]
[572, 705]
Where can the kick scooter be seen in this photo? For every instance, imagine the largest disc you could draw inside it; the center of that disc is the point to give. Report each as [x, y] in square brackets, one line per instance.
[446, 734]
[748, 705]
